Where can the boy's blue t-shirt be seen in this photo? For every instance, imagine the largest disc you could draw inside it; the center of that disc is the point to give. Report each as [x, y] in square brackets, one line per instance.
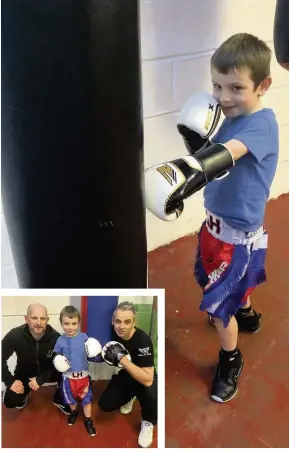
[73, 349]
[240, 198]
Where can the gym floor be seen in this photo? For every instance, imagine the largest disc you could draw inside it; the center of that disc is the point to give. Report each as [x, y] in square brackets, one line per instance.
[259, 415]
[41, 424]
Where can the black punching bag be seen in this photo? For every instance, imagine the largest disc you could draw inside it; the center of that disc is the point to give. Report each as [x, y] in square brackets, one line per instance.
[72, 143]
[281, 33]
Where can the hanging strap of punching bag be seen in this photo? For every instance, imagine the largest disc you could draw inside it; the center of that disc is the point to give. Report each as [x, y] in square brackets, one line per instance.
[281, 33]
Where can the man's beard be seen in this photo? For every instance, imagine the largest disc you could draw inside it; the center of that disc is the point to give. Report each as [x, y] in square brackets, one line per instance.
[37, 336]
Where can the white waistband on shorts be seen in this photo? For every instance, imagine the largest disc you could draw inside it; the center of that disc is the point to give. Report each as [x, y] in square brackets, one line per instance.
[76, 375]
[222, 231]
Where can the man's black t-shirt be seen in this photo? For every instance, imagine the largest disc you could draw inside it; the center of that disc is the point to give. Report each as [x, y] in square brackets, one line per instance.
[140, 347]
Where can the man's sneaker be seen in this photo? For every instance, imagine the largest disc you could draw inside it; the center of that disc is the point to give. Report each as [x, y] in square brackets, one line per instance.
[145, 437]
[72, 417]
[64, 408]
[89, 426]
[23, 404]
[225, 384]
[127, 408]
[248, 322]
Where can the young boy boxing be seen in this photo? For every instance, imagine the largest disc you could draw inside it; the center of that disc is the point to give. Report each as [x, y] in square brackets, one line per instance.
[71, 353]
[236, 168]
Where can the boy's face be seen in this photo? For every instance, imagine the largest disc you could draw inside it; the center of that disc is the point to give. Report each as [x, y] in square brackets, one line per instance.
[123, 323]
[70, 326]
[235, 92]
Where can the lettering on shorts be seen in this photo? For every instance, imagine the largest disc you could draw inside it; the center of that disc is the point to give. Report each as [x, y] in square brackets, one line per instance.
[211, 223]
[250, 234]
[216, 274]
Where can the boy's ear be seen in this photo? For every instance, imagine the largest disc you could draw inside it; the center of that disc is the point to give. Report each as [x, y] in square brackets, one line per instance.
[264, 86]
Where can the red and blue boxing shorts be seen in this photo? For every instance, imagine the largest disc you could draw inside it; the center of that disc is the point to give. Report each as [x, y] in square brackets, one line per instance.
[76, 386]
[229, 265]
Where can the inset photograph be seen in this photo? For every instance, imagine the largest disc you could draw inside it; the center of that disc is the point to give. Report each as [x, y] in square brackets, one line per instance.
[82, 371]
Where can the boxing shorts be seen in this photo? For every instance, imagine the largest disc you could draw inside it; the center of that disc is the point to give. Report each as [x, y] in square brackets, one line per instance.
[76, 386]
[229, 265]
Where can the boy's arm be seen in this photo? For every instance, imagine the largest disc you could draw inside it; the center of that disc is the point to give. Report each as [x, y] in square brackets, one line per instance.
[57, 347]
[256, 138]
[237, 148]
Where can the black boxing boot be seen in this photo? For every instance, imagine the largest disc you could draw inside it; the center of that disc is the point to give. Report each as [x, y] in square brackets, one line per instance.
[72, 417]
[88, 422]
[225, 384]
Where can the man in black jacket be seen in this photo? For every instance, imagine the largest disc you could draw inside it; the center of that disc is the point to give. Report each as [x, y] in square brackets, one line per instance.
[33, 344]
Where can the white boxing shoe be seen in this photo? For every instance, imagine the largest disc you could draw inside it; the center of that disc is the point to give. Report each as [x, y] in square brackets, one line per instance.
[127, 408]
[145, 437]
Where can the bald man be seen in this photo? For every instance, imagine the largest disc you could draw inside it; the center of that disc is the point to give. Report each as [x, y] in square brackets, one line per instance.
[33, 344]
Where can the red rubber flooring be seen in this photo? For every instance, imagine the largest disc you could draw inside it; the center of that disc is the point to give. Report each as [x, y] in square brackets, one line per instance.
[259, 415]
[41, 424]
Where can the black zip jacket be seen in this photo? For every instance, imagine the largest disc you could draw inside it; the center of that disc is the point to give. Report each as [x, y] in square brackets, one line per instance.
[34, 358]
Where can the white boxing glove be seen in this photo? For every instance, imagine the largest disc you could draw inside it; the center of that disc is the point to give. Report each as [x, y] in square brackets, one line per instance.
[92, 347]
[168, 184]
[198, 120]
[61, 363]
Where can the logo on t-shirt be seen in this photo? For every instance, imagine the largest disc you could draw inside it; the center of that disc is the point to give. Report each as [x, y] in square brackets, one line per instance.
[49, 354]
[144, 351]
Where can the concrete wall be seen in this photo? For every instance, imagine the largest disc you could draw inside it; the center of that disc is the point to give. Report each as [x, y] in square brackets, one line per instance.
[178, 37]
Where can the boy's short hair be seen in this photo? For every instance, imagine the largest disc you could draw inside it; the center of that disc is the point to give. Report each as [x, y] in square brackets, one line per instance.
[125, 306]
[70, 312]
[243, 50]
